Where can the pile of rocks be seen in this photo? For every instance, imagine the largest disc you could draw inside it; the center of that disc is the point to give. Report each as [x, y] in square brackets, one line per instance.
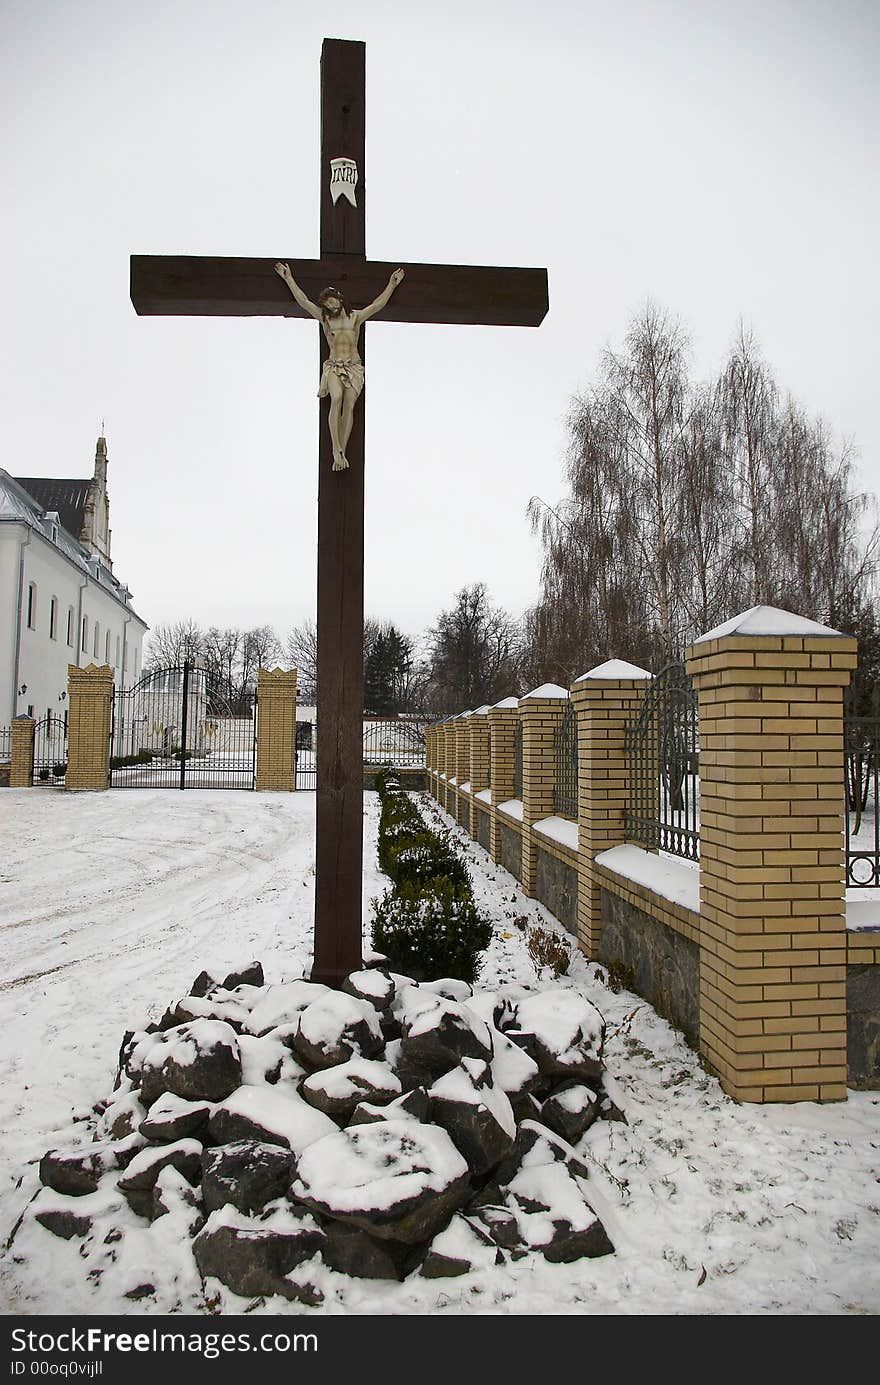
[388, 1127]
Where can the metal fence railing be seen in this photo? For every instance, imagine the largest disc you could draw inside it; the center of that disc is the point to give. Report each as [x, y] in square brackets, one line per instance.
[396, 740]
[565, 744]
[5, 743]
[861, 728]
[663, 812]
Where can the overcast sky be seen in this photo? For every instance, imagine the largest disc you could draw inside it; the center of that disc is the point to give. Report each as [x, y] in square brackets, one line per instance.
[716, 156]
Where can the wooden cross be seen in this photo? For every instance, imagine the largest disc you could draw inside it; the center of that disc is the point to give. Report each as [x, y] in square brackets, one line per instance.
[200, 286]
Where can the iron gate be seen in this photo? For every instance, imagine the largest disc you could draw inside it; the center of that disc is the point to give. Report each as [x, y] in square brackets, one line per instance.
[306, 773]
[176, 729]
[50, 751]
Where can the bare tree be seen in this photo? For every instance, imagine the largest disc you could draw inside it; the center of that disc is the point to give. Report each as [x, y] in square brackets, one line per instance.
[173, 645]
[473, 652]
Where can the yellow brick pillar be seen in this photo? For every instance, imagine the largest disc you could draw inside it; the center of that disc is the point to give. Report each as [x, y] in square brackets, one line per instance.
[540, 713]
[462, 769]
[447, 761]
[276, 730]
[605, 700]
[479, 758]
[21, 764]
[503, 721]
[772, 873]
[90, 697]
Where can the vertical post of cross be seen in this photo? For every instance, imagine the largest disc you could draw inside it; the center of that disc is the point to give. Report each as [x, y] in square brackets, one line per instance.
[339, 758]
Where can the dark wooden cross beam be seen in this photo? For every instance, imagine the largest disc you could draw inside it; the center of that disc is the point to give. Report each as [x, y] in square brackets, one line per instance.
[201, 286]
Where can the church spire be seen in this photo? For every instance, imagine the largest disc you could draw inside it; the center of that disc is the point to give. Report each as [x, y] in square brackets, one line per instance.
[101, 459]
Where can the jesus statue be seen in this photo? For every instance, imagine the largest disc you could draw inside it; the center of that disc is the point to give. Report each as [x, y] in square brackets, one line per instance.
[343, 374]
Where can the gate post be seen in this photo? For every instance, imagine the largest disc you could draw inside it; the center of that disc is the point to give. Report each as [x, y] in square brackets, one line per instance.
[276, 730]
[90, 693]
[21, 767]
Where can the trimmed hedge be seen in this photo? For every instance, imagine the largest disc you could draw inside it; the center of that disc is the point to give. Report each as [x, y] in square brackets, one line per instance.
[427, 924]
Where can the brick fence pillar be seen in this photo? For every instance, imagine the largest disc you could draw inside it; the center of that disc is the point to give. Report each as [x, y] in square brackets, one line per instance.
[276, 730]
[463, 768]
[503, 720]
[447, 764]
[479, 758]
[605, 700]
[21, 765]
[540, 713]
[772, 874]
[90, 696]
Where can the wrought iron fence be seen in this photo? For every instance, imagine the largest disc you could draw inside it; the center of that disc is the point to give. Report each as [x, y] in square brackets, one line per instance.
[398, 740]
[861, 755]
[663, 812]
[50, 751]
[5, 743]
[565, 740]
[517, 761]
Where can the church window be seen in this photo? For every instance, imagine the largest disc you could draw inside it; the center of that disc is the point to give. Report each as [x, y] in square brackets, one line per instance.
[85, 635]
[53, 618]
[32, 606]
[116, 660]
[70, 624]
[107, 648]
[96, 639]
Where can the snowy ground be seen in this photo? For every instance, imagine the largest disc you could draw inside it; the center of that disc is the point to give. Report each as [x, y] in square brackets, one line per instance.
[112, 903]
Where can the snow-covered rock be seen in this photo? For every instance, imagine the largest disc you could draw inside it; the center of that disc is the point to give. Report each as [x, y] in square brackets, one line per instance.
[200, 1061]
[172, 1118]
[257, 1257]
[247, 1174]
[337, 1091]
[334, 1028]
[413, 1105]
[570, 1110]
[477, 1115]
[462, 1246]
[436, 1033]
[271, 1116]
[396, 1179]
[283, 1004]
[562, 1031]
[371, 985]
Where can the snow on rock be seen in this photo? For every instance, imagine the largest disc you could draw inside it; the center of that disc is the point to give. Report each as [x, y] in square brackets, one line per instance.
[67, 1216]
[449, 987]
[200, 1061]
[477, 1115]
[571, 1110]
[76, 1172]
[553, 1215]
[372, 985]
[337, 1090]
[563, 1032]
[437, 1033]
[283, 1004]
[140, 1177]
[463, 1246]
[172, 1118]
[335, 1027]
[219, 1005]
[266, 1114]
[247, 1174]
[266, 1060]
[395, 1179]
[255, 1258]
[513, 1070]
[414, 1105]
[122, 1117]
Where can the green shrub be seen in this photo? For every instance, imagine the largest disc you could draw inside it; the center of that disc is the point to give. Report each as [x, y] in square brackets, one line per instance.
[431, 933]
[59, 771]
[423, 859]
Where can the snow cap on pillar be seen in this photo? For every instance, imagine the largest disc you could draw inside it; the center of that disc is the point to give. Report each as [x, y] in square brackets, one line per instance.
[762, 621]
[615, 670]
[547, 690]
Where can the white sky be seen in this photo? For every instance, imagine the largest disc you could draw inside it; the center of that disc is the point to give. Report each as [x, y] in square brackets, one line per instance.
[718, 157]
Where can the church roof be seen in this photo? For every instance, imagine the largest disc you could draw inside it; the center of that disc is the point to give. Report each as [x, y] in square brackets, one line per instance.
[18, 504]
[66, 496]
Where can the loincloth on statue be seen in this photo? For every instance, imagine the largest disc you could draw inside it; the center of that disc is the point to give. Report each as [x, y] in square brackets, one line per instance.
[350, 375]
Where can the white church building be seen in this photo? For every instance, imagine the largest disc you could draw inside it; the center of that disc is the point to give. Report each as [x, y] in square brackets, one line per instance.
[60, 601]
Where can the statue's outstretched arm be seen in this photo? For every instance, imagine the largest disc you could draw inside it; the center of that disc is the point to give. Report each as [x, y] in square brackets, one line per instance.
[379, 303]
[283, 271]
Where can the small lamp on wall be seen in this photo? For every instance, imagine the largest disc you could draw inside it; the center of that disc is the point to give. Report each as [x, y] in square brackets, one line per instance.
[22, 690]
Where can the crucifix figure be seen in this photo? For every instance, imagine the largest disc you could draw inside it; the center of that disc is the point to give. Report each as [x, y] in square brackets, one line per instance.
[343, 374]
[202, 286]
